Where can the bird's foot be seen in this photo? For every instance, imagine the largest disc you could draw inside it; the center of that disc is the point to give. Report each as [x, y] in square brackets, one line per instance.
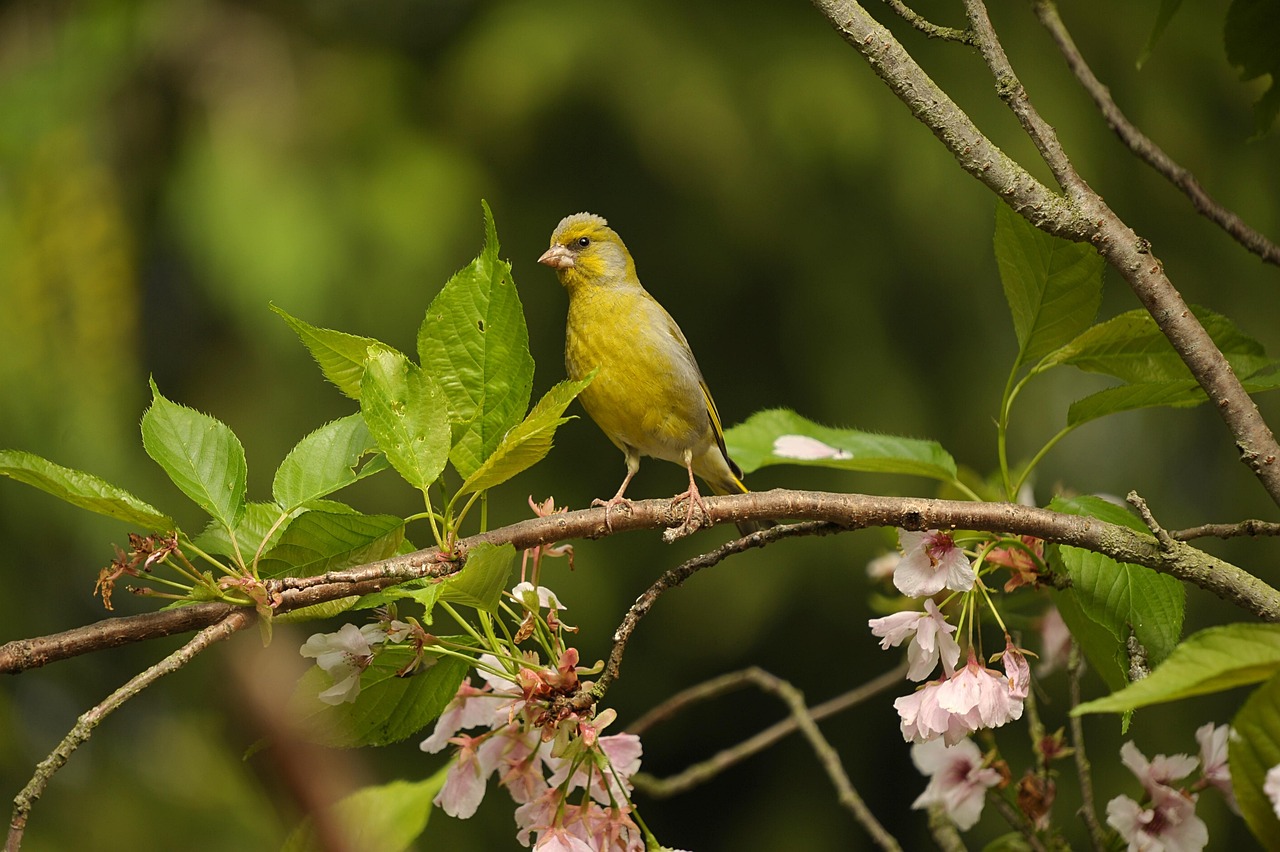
[609, 505]
[691, 524]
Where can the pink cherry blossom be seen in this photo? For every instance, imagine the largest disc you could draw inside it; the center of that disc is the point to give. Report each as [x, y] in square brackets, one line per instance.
[1168, 824]
[1159, 771]
[930, 639]
[958, 782]
[464, 783]
[1213, 759]
[973, 698]
[931, 562]
[343, 656]
[1055, 642]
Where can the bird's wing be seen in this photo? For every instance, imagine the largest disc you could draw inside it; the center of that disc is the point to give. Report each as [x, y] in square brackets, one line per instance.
[687, 353]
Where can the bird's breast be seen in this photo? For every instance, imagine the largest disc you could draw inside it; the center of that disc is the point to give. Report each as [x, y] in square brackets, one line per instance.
[646, 393]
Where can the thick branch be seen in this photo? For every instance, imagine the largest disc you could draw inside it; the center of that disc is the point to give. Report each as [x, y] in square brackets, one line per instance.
[847, 511]
[1086, 218]
[1146, 149]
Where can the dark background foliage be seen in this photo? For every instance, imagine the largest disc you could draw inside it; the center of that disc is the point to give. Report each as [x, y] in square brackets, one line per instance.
[168, 169]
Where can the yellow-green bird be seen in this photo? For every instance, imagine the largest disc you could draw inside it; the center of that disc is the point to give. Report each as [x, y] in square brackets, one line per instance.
[648, 395]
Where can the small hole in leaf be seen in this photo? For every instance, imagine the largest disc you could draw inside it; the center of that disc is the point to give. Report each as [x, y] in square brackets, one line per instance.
[480, 325]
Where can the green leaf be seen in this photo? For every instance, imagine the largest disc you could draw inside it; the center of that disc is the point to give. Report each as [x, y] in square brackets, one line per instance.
[1053, 287]
[1252, 37]
[317, 542]
[201, 455]
[257, 521]
[82, 489]
[341, 356]
[780, 436]
[1118, 597]
[388, 709]
[1132, 397]
[1213, 660]
[1252, 750]
[1097, 641]
[324, 462]
[528, 442]
[1167, 10]
[474, 341]
[482, 579]
[1132, 348]
[405, 412]
[388, 817]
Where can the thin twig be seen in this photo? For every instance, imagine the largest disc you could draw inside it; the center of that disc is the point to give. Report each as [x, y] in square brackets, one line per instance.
[1016, 820]
[85, 725]
[676, 576]
[924, 25]
[1075, 668]
[1249, 527]
[804, 720]
[1011, 91]
[700, 773]
[1147, 150]
[1134, 499]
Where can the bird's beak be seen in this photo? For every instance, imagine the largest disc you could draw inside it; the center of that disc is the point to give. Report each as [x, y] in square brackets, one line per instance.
[557, 257]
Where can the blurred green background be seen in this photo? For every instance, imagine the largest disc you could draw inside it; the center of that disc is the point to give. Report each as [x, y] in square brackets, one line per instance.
[169, 169]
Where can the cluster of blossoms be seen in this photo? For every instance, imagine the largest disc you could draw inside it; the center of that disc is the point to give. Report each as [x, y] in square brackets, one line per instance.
[940, 715]
[965, 699]
[1166, 818]
[524, 725]
[541, 750]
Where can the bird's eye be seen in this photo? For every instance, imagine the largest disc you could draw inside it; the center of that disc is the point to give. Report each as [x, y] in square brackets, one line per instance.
[583, 242]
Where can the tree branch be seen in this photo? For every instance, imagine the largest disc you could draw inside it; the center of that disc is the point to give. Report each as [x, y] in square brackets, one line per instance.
[1142, 146]
[22, 803]
[835, 511]
[1082, 218]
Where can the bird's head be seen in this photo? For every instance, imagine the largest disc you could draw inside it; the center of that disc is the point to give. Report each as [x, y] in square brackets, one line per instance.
[586, 251]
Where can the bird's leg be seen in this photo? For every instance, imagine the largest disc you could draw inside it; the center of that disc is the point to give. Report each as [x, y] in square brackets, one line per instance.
[633, 465]
[692, 495]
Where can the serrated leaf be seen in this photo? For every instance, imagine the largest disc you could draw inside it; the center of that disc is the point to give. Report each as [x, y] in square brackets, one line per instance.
[257, 521]
[1254, 749]
[1133, 397]
[341, 356]
[1106, 656]
[780, 436]
[1132, 348]
[528, 442]
[323, 462]
[388, 817]
[482, 579]
[474, 341]
[200, 454]
[1212, 660]
[1167, 10]
[1119, 597]
[82, 489]
[388, 708]
[1252, 39]
[317, 542]
[405, 412]
[1053, 286]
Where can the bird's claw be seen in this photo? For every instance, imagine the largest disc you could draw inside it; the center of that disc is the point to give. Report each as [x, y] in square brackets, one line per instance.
[609, 505]
[690, 524]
